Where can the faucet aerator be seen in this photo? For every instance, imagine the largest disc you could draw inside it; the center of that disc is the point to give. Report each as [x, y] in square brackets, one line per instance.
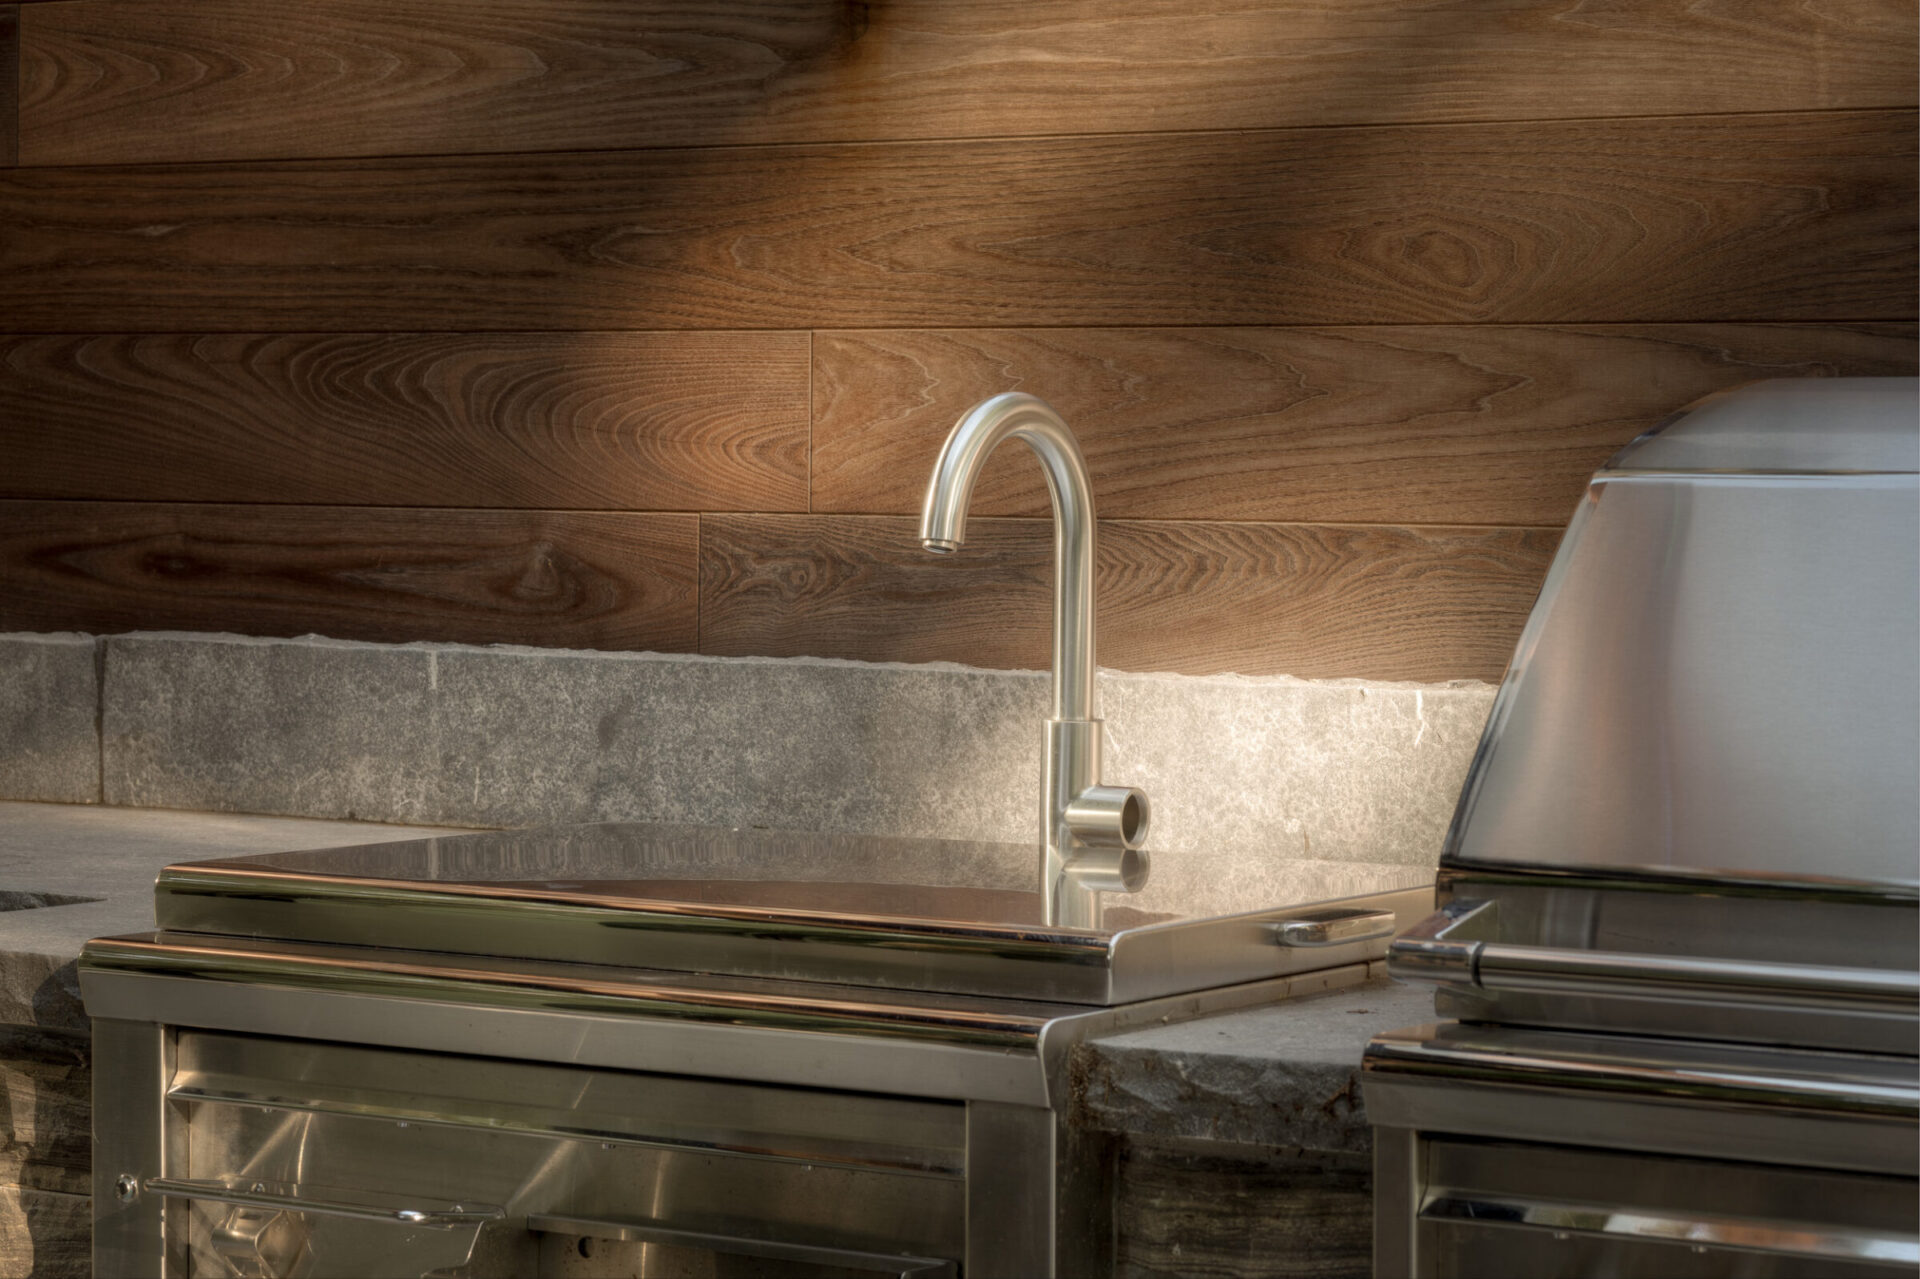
[939, 546]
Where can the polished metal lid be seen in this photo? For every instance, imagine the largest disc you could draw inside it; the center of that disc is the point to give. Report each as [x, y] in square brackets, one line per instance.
[905, 914]
[1720, 680]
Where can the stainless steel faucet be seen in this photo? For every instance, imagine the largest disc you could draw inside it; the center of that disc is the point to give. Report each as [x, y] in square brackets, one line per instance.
[1091, 835]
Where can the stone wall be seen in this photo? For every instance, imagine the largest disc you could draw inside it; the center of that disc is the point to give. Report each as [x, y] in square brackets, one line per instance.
[1247, 775]
[1242, 771]
[45, 1152]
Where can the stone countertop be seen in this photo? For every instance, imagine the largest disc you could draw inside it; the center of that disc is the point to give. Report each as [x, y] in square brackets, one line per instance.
[105, 859]
[1285, 1074]
[1281, 1075]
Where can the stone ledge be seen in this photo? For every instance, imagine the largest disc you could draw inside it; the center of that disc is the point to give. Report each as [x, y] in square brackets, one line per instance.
[49, 703]
[107, 858]
[1282, 1075]
[1241, 771]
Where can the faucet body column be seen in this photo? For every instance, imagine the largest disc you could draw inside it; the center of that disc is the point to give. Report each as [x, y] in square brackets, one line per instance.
[1091, 834]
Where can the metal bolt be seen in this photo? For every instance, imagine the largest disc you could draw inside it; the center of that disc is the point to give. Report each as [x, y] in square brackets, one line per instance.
[126, 1188]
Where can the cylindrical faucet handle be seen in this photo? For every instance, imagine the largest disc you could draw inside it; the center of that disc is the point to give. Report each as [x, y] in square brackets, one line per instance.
[1110, 817]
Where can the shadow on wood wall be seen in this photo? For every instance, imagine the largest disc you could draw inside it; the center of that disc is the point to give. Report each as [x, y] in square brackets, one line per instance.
[596, 324]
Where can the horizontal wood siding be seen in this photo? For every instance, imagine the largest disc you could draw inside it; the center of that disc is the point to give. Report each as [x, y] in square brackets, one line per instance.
[1393, 425]
[137, 81]
[657, 421]
[1726, 218]
[9, 84]
[568, 580]
[636, 324]
[1194, 596]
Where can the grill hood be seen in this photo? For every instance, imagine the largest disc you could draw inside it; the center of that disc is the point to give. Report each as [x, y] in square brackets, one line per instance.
[1696, 806]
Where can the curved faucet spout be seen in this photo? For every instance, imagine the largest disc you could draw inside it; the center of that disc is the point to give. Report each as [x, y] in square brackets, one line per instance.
[943, 524]
[1091, 836]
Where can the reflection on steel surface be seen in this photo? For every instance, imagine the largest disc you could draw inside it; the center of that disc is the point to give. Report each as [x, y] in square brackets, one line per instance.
[1722, 672]
[906, 1267]
[505, 985]
[1742, 1233]
[285, 1198]
[638, 896]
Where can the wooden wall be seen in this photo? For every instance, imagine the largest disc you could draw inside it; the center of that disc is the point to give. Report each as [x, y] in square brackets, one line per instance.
[636, 323]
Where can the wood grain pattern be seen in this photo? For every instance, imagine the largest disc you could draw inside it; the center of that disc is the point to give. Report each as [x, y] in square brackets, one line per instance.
[564, 580]
[138, 82]
[1781, 217]
[1389, 425]
[1194, 597]
[661, 421]
[9, 84]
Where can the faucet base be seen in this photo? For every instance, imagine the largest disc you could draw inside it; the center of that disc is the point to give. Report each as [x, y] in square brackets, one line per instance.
[1092, 833]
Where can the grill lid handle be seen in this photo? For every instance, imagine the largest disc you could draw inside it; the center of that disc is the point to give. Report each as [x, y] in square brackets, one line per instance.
[1455, 947]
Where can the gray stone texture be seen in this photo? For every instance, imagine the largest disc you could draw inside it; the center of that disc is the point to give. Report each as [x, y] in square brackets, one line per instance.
[1244, 773]
[1285, 1074]
[97, 865]
[1241, 1212]
[49, 740]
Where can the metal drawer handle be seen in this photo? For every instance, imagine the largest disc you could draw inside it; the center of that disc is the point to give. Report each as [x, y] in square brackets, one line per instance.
[259, 1196]
[1698, 1229]
[1334, 928]
[730, 1245]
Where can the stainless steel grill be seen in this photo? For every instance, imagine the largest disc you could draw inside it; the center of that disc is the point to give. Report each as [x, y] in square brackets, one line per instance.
[1678, 942]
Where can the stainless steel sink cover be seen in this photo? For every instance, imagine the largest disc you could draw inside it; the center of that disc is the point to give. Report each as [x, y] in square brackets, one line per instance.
[921, 915]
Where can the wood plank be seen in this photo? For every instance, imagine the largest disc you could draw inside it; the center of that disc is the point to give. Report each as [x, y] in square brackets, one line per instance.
[621, 421]
[137, 82]
[9, 84]
[1785, 217]
[566, 580]
[1388, 425]
[1199, 598]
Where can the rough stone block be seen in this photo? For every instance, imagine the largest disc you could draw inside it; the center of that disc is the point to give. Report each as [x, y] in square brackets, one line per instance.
[1244, 774]
[1240, 1212]
[46, 1109]
[45, 1234]
[49, 738]
[936, 751]
[308, 727]
[1273, 768]
[1285, 1074]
